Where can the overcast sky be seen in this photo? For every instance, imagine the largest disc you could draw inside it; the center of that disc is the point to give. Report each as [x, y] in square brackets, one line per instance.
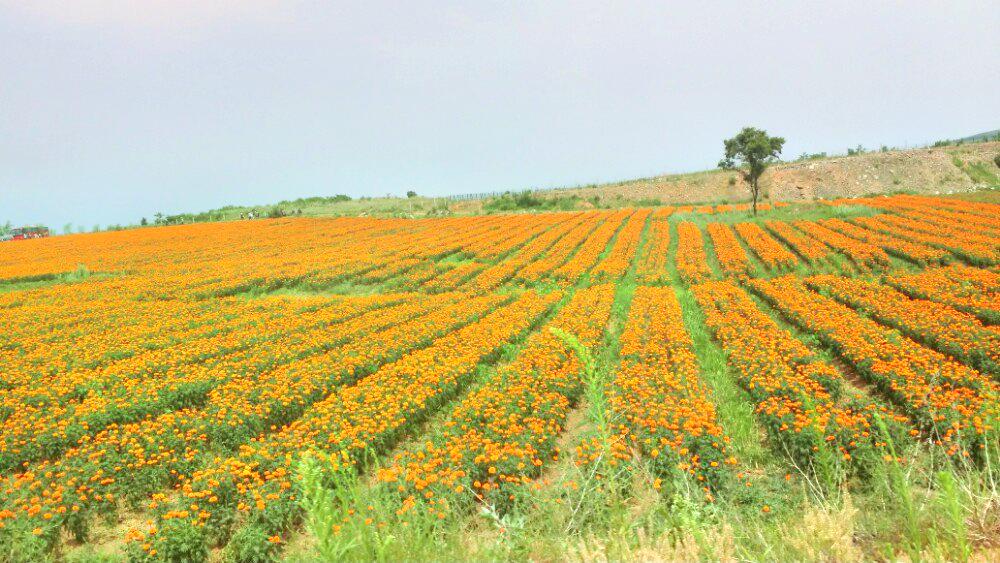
[111, 110]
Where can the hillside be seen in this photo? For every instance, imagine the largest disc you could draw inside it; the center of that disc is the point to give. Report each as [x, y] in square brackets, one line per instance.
[984, 136]
[952, 169]
[938, 170]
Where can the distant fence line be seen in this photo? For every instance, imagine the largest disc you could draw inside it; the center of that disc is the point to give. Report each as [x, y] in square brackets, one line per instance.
[485, 195]
[482, 195]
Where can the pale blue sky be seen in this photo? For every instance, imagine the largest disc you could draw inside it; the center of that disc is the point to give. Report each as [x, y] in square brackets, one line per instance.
[111, 110]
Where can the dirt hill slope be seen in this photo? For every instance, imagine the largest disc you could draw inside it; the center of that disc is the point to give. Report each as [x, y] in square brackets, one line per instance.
[951, 169]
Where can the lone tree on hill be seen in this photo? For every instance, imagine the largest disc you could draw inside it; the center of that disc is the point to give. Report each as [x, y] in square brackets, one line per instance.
[750, 152]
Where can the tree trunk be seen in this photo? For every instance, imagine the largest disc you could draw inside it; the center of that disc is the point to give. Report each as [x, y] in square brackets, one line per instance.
[753, 193]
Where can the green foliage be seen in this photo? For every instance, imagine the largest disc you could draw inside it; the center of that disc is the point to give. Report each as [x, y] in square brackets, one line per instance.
[951, 503]
[996, 160]
[978, 172]
[750, 152]
[411, 194]
[177, 540]
[18, 544]
[528, 201]
[251, 544]
[644, 202]
[322, 510]
[810, 156]
[511, 202]
[594, 384]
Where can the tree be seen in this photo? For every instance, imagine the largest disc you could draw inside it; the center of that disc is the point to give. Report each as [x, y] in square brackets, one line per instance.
[158, 218]
[750, 152]
[68, 229]
[143, 222]
[5, 228]
[411, 193]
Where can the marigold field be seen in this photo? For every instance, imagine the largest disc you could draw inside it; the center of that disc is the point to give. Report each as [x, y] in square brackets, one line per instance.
[818, 382]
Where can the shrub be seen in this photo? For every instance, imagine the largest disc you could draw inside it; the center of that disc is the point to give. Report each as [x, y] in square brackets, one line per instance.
[528, 200]
[252, 544]
[178, 540]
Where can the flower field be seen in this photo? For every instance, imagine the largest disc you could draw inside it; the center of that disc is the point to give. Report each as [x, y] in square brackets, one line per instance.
[505, 386]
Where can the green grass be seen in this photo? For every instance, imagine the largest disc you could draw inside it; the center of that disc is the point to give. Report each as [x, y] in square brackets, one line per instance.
[326, 207]
[735, 409]
[301, 290]
[803, 211]
[46, 280]
[914, 511]
[982, 173]
[988, 195]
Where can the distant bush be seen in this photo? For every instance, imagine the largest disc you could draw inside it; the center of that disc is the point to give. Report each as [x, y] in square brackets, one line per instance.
[996, 160]
[529, 201]
[513, 202]
[648, 202]
[811, 156]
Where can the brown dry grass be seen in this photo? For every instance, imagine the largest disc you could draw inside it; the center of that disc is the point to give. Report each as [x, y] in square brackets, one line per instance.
[927, 171]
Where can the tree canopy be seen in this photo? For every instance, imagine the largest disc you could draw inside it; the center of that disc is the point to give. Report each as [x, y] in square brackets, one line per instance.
[750, 152]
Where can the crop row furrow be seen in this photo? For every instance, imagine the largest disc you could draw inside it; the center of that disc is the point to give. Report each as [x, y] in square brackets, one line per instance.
[365, 417]
[950, 401]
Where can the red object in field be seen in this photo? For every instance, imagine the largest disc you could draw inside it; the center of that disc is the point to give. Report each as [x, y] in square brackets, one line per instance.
[25, 233]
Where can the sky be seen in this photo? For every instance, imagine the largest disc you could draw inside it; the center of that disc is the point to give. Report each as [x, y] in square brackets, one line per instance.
[112, 110]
